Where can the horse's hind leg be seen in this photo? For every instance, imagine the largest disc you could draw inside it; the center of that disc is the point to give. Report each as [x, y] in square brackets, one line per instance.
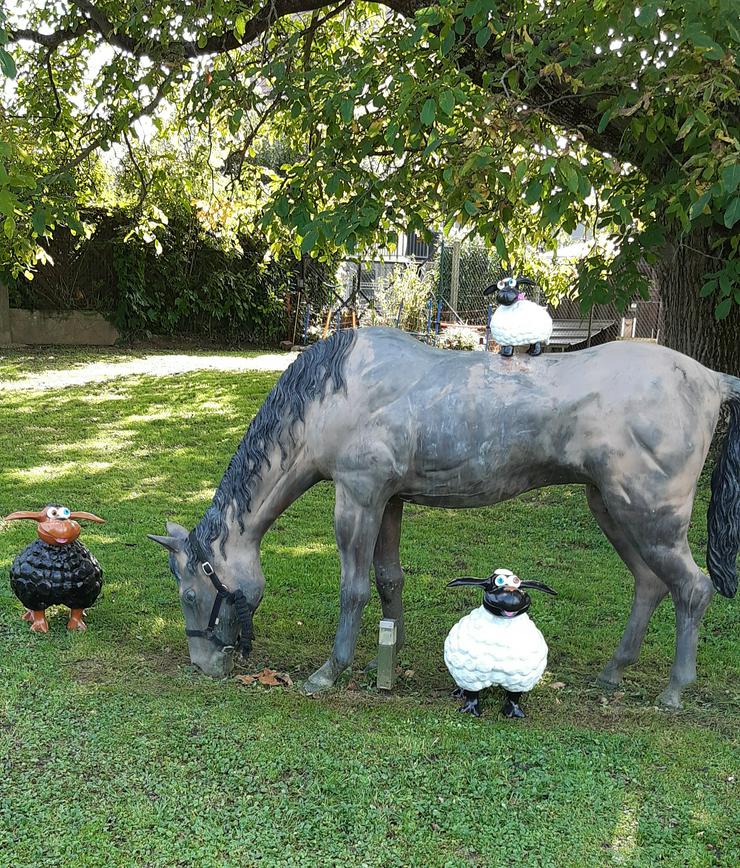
[357, 525]
[649, 591]
[659, 536]
[387, 564]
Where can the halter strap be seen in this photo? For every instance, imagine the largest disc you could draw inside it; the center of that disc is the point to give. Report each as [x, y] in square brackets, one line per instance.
[244, 611]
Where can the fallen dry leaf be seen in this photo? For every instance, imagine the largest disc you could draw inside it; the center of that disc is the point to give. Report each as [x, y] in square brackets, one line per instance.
[267, 677]
[557, 685]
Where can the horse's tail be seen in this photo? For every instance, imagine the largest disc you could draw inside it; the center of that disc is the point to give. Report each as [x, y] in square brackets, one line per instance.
[723, 516]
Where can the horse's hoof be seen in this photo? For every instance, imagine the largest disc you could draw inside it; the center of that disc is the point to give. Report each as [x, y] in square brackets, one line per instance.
[317, 683]
[311, 688]
[671, 698]
[609, 680]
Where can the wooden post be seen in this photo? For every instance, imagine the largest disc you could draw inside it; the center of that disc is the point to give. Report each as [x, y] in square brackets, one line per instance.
[4, 316]
[455, 276]
[387, 639]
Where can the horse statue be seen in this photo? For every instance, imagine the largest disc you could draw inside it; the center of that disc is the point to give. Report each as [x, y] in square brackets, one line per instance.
[391, 420]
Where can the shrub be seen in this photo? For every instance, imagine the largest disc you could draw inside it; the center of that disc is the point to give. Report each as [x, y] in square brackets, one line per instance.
[459, 338]
[404, 285]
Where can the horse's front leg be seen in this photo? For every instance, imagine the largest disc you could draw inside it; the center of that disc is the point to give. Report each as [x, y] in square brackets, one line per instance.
[356, 526]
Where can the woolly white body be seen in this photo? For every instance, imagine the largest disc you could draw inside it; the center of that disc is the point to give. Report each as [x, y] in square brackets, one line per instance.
[484, 650]
[520, 323]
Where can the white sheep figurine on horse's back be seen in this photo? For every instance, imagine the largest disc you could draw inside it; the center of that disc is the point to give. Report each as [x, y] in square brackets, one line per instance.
[516, 321]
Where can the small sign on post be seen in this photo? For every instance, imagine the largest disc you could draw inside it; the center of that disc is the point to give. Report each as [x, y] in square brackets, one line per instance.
[387, 654]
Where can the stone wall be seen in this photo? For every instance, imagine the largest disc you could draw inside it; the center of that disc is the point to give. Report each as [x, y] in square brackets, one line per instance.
[53, 327]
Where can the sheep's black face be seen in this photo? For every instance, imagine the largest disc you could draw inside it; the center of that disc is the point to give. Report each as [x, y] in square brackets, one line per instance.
[506, 602]
[507, 296]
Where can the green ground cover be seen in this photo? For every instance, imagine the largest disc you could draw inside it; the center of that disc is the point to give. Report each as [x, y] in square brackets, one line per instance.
[116, 753]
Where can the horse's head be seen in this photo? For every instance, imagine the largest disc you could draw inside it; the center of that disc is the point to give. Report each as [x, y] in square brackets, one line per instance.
[218, 609]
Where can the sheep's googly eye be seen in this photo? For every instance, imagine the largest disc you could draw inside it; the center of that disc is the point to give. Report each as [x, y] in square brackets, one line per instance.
[189, 596]
[515, 581]
[64, 512]
[500, 581]
[52, 512]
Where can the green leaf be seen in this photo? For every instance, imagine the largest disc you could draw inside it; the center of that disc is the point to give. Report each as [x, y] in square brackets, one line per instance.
[731, 177]
[708, 288]
[7, 202]
[308, 242]
[723, 308]
[447, 102]
[470, 208]
[686, 127]
[501, 246]
[347, 110]
[7, 64]
[9, 226]
[240, 26]
[482, 37]
[448, 41]
[533, 191]
[647, 13]
[38, 219]
[732, 214]
[698, 207]
[429, 112]
[605, 118]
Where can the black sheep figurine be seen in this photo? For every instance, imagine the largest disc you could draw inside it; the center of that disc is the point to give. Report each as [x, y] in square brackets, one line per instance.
[56, 569]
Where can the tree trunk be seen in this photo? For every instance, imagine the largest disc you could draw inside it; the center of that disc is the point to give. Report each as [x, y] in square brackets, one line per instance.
[688, 324]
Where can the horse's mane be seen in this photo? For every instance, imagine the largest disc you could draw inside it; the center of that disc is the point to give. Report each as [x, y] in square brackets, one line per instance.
[303, 382]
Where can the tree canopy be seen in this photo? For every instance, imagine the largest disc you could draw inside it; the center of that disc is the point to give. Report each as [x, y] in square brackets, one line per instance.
[518, 118]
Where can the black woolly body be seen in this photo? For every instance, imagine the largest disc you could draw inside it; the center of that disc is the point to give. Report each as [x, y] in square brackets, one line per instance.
[723, 516]
[45, 575]
[305, 381]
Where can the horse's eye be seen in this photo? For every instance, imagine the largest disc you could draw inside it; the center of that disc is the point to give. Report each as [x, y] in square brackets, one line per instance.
[189, 596]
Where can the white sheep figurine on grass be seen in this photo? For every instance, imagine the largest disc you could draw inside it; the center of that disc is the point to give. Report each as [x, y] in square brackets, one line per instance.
[497, 645]
[517, 322]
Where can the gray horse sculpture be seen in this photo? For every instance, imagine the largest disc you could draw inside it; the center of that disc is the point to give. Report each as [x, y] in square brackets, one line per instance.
[391, 420]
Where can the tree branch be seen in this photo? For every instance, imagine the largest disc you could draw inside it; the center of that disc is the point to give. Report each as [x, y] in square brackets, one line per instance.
[98, 141]
[52, 41]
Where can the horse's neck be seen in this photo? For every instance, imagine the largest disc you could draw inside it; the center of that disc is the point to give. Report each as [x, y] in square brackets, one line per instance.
[271, 493]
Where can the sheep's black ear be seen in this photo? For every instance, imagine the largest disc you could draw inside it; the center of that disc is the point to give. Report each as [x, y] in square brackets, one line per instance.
[537, 586]
[525, 281]
[466, 580]
[489, 290]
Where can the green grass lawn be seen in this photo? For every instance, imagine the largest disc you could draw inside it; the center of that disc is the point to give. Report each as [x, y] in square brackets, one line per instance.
[116, 753]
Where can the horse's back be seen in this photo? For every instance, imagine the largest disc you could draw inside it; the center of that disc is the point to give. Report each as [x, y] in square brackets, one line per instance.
[479, 426]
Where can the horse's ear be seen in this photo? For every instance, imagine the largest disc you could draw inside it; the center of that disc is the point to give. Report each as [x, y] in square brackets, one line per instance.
[171, 543]
[177, 530]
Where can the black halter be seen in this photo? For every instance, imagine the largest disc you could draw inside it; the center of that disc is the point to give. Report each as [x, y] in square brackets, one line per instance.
[244, 611]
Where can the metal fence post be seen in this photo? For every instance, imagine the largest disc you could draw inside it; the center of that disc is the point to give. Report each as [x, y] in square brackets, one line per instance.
[455, 276]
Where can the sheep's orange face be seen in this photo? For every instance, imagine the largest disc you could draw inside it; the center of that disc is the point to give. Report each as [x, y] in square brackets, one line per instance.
[58, 529]
[56, 524]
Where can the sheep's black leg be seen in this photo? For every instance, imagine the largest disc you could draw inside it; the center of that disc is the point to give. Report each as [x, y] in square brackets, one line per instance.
[507, 351]
[535, 349]
[511, 706]
[472, 703]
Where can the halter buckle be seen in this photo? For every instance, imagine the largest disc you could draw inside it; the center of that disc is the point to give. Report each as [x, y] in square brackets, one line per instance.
[207, 568]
